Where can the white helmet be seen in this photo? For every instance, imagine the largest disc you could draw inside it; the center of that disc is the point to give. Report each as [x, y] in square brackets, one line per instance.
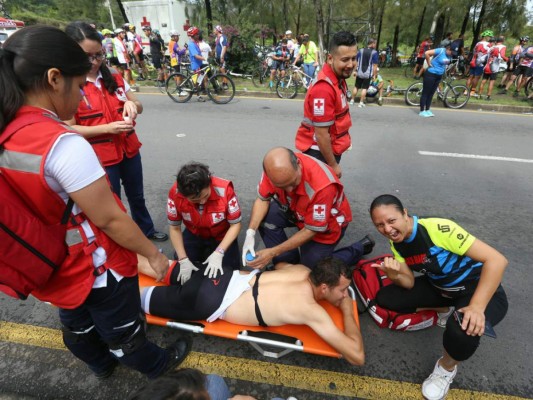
[174, 33]
[289, 32]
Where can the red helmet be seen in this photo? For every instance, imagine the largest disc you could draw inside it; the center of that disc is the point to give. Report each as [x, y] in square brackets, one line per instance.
[193, 30]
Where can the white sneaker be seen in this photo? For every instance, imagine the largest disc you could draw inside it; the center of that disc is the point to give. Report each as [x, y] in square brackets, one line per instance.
[436, 386]
[442, 318]
[351, 102]
[361, 105]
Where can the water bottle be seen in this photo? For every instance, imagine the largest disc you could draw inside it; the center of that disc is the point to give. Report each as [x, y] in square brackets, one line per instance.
[249, 257]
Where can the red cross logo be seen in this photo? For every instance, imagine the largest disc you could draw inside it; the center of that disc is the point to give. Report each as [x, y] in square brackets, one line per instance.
[233, 203]
[319, 104]
[320, 209]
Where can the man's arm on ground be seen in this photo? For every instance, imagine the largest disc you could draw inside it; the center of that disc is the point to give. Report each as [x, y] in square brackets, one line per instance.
[350, 342]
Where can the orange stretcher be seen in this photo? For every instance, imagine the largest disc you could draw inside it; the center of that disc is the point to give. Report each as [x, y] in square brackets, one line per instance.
[280, 340]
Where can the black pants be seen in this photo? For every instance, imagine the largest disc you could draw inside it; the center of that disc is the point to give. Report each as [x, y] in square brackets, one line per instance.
[430, 85]
[318, 155]
[457, 343]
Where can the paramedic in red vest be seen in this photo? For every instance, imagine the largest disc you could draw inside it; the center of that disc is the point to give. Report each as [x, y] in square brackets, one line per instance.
[297, 190]
[96, 288]
[106, 118]
[324, 131]
[209, 210]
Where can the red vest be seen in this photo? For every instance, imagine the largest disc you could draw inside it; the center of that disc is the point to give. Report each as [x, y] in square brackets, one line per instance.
[71, 283]
[339, 131]
[316, 176]
[106, 108]
[217, 214]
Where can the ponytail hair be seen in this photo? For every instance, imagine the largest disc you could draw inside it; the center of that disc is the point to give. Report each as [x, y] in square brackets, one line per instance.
[26, 57]
[79, 31]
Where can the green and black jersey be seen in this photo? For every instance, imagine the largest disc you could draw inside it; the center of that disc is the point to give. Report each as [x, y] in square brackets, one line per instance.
[436, 248]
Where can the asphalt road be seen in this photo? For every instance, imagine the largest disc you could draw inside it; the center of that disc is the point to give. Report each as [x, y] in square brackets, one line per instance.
[490, 197]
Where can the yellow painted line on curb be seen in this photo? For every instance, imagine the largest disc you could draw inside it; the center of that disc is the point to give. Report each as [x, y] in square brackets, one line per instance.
[315, 380]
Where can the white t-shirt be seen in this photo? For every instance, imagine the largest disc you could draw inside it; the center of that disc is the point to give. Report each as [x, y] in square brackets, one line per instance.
[72, 165]
[205, 49]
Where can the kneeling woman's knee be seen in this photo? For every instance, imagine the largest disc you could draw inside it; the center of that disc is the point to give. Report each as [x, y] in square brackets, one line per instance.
[457, 343]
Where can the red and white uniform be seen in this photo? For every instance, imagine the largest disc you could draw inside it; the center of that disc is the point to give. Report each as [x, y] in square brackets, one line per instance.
[105, 108]
[318, 202]
[70, 285]
[219, 212]
[480, 48]
[326, 106]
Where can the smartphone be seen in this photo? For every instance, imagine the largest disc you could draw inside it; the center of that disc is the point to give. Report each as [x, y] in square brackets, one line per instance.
[489, 330]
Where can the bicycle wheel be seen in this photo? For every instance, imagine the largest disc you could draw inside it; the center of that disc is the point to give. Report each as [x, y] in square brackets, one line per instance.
[286, 87]
[259, 78]
[413, 93]
[456, 96]
[179, 88]
[220, 88]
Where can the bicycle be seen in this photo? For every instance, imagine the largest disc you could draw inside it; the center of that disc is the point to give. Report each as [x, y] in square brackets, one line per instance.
[453, 96]
[409, 66]
[180, 87]
[153, 73]
[287, 86]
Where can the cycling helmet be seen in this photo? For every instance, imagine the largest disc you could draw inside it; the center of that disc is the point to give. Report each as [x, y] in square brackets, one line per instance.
[218, 28]
[174, 33]
[488, 32]
[106, 32]
[432, 37]
[147, 28]
[524, 39]
[193, 30]
[118, 30]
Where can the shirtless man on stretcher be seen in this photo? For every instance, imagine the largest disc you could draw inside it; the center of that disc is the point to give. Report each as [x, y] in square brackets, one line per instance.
[287, 295]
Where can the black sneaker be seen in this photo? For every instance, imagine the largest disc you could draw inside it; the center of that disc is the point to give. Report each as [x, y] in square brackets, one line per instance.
[106, 373]
[488, 98]
[178, 351]
[368, 243]
[158, 236]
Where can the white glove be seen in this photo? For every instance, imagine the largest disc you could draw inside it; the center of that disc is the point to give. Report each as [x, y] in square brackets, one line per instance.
[186, 269]
[249, 244]
[214, 264]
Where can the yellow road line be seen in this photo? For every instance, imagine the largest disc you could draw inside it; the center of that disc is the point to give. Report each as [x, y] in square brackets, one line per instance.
[316, 380]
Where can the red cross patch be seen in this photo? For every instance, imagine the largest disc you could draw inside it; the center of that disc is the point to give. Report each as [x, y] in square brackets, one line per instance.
[319, 212]
[233, 205]
[217, 217]
[318, 107]
[171, 208]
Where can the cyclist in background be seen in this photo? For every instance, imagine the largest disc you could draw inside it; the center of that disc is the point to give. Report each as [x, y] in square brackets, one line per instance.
[424, 46]
[490, 72]
[514, 61]
[221, 51]
[308, 52]
[479, 59]
[195, 56]
[157, 49]
[280, 57]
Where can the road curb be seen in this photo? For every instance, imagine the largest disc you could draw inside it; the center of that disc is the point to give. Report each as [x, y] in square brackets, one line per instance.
[487, 107]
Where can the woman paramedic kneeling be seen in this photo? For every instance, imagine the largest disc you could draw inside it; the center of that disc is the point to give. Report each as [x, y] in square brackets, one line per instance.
[459, 271]
[96, 288]
[209, 209]
[106, 118]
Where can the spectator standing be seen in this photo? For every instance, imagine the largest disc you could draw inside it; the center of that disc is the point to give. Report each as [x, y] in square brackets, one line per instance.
[292, 45]
[324, 131]
[479, 59]
[437, 61]
[157, 51]
[96, 288]
[297, 190]
[106, 118]
[422, 48]
[366, 66]
[447, 41]
[280, 59]
[121, 58]
[492, 68]
[308, 53]
[195, 55]
[523, 69]
[512, 64]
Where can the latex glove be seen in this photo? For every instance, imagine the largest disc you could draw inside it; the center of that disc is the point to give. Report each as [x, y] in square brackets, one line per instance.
[249, 244]
[214, 265]
[186, 269]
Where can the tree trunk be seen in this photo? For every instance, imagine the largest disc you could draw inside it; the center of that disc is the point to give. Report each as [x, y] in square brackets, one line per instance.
[122, 11]
[395, 43]
[379, 26]
[320, 29]
[477, 28]
[417, 40]
[465, 19]
[209, 16]
[298, 17]
[285, 9]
